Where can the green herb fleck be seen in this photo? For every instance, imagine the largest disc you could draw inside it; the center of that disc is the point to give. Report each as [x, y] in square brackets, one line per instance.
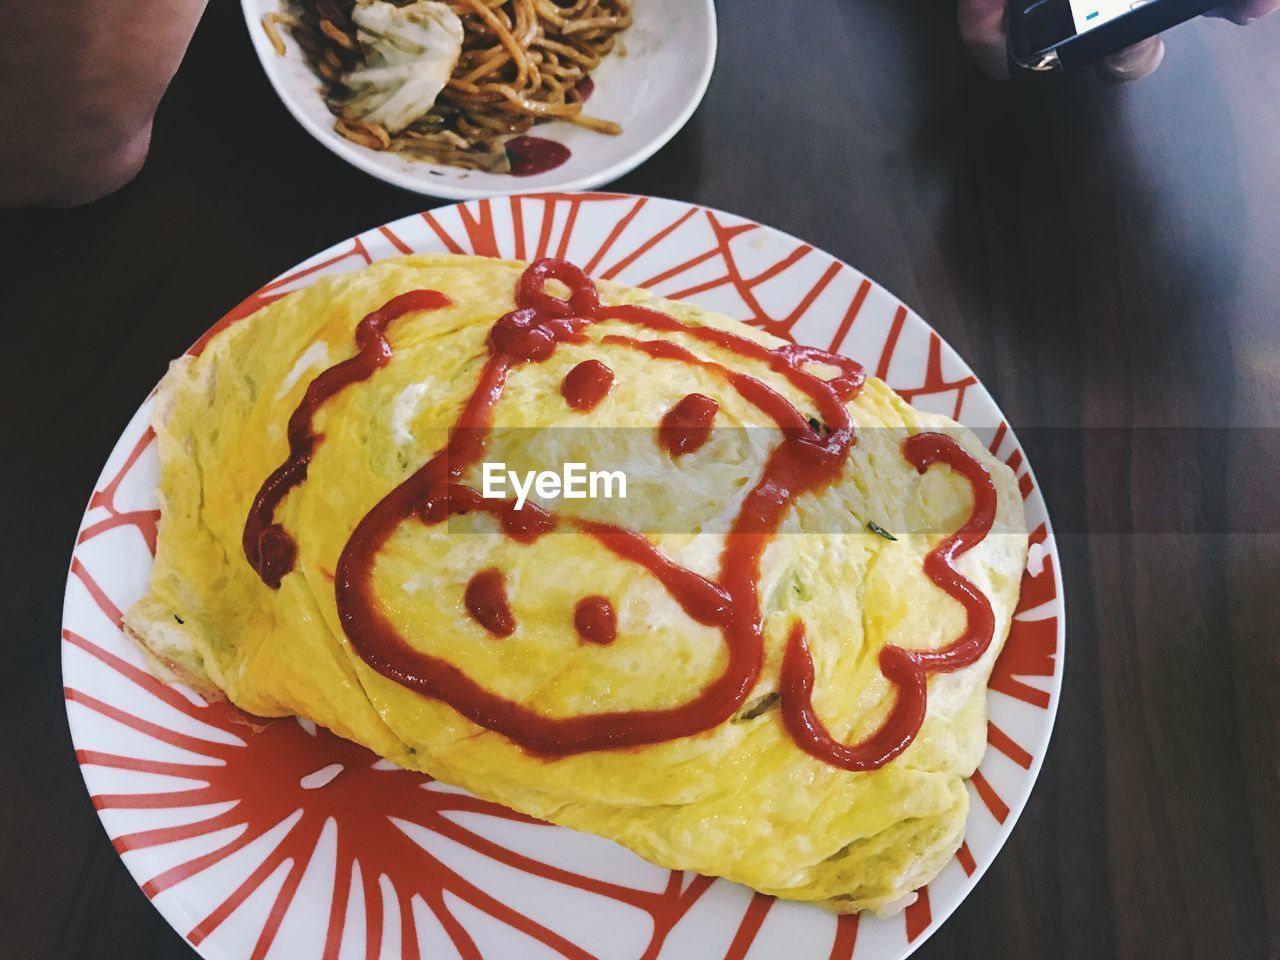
[759, 707]
[880, 531]
[818, 427]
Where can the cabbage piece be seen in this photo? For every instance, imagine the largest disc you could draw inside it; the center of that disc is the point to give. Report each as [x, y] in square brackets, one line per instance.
[409, 53]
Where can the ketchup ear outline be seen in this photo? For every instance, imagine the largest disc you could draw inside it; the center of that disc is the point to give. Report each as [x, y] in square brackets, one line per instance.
[531, 290]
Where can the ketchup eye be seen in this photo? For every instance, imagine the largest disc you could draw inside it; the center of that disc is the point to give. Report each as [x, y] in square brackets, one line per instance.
[687, 425]
[586, 385]
[486, 600]
[595, 620]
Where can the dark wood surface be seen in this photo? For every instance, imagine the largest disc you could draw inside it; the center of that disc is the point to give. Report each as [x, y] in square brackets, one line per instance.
[1105, 257]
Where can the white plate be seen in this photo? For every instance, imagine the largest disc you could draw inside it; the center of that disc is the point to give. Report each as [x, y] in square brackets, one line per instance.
[275, 839]
[651, 90]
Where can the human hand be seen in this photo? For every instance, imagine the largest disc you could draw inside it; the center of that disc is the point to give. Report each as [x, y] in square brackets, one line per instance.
[982, 30]
[81, 81]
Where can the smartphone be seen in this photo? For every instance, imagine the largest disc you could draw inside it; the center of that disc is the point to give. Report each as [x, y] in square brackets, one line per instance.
[1053, 36]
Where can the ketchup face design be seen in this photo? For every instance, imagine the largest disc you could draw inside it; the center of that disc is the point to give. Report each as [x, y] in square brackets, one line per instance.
[808, 458]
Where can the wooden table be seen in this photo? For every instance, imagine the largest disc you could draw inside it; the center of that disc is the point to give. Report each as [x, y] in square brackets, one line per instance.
[1105, 257]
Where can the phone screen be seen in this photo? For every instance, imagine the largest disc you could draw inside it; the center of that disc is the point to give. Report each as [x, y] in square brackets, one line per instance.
[1088, 14]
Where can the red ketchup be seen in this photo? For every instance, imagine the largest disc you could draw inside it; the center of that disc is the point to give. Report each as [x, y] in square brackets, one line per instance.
[687, 425]
[595, 620]
[806, 459]
[907, 670]
[533, 155]
[586, 385]
[486, 600]
[270, 550]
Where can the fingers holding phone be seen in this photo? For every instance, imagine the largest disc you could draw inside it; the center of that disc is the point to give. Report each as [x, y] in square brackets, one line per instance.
[1133, 62]
[1245, 12]
[1035, 38]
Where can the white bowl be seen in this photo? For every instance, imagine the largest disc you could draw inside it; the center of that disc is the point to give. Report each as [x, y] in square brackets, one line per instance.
[650, 86]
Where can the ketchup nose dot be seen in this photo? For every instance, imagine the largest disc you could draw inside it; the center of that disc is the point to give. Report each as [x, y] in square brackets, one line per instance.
[595, 620]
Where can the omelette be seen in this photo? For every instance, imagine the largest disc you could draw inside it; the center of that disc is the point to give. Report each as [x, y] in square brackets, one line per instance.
[767, 661]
